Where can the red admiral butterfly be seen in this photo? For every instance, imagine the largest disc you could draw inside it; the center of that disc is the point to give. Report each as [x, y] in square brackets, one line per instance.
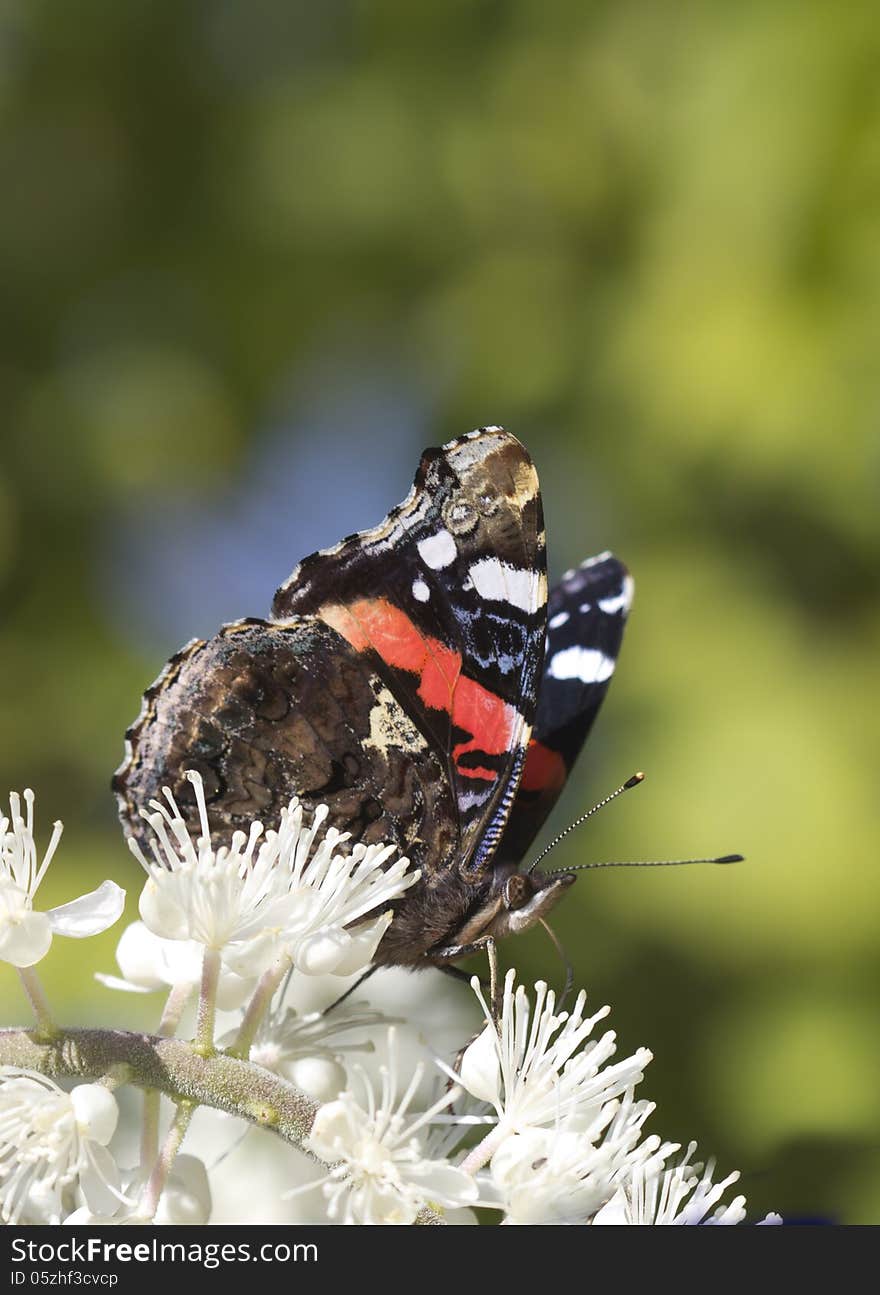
[415, 678]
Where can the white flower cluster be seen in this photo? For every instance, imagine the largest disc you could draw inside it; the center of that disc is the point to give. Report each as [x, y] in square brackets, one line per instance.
[534, 1120]
[53, 1148]
[26, 934]
[320, 906]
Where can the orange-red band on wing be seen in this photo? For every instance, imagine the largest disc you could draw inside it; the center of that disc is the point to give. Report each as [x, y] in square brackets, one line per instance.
[376, 623]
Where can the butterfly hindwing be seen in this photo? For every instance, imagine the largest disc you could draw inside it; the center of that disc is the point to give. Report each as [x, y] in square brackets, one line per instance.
[586, 616]
[265, 712]
[446, 599]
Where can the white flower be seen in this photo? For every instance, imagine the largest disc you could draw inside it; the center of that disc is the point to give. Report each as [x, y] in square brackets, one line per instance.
[53, 1148]
[25, 935]
[539, 1069]
[185, 1199]
[380, 1171]
[332, 893]
[194, 892]
[148, 963]
[562, 1177]
[284, 899]
[682, 1194]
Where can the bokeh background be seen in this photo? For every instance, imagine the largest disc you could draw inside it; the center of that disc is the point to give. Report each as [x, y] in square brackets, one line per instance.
[255, 257]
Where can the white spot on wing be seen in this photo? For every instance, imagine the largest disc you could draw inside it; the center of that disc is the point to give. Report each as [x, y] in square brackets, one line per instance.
[620, 602]
[589, 665]
[437, 551]
[495, 580]
[421, 591]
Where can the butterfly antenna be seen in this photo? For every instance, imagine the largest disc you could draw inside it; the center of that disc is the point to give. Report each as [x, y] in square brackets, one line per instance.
[630, 782]
[569, 970]
[650, 863]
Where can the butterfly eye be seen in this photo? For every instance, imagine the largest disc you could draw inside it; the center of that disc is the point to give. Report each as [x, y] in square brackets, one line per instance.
[517, 891]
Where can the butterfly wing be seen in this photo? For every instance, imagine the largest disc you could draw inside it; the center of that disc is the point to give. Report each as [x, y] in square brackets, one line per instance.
[265, 712]
[586, 616]
[397, 683]
[446, 599]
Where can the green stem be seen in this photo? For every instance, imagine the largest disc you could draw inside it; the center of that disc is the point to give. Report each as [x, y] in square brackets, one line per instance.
[149, 1202]
[150, 1127]
[171, 1014]
[172, 1067]
[258, 1007]
[208, 1002]
[33, 987]
[175, 1003]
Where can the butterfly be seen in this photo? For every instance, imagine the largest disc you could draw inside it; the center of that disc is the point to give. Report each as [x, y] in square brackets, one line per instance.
[417, 679]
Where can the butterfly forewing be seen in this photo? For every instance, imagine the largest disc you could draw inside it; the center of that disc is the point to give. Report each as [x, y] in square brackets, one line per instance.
[446, 599]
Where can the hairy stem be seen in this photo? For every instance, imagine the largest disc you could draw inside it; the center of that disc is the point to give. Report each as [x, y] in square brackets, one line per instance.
[208, 1002]
[177, 999]
[171, 1014]
[150, 1127]
[482, 1153]
[165, 1161]
[171, 1066]
[258, 1007]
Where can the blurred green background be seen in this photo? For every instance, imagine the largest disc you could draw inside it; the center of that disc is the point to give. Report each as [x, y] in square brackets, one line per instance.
[255, 257]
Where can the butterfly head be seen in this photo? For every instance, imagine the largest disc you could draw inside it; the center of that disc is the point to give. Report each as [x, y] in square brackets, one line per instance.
[522, 899]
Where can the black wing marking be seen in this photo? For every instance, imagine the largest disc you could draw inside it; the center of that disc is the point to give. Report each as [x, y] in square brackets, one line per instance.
[586, 616]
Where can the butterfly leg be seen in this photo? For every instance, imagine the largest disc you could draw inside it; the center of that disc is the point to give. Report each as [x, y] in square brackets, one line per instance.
[456, 973]
[494, 992]
[357, 984]
[489, 945]
[451, 951]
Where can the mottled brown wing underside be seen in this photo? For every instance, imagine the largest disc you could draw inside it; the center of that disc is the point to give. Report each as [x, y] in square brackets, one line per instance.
[265, 712]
